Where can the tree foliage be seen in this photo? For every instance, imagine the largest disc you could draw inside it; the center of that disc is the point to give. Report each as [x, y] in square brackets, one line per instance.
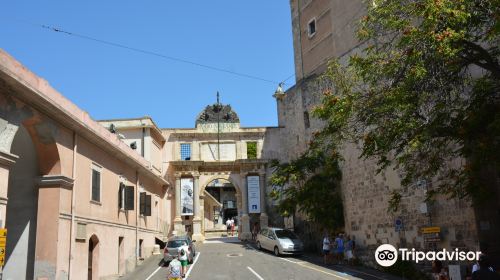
[423, 94]
[310, 184]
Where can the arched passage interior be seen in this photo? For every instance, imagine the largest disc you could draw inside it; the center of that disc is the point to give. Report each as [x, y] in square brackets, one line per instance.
[21, 214]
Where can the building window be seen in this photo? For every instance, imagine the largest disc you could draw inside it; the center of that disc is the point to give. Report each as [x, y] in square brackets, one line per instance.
[96, 183]
[307, 124]
[251, 150]
[185, 151]
[311, 27]
[144, 204]
[126, 197]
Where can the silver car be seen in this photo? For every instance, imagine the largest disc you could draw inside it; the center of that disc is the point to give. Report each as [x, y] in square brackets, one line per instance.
[172, 248]
[280, 241]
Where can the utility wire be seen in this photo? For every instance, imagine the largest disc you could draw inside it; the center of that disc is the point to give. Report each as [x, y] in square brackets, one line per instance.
[147, 52]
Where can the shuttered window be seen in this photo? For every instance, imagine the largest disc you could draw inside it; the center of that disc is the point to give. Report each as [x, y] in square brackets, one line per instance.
[129, 198]
[121, 196]
[147, 211]
[145, 204]
[96, 183]
[142, 203]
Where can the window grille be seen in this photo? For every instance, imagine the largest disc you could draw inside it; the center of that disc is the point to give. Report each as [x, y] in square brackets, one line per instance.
[185, 151]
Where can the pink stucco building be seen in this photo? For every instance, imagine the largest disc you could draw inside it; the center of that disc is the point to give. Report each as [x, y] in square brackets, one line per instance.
[75, 198]
[83, 199]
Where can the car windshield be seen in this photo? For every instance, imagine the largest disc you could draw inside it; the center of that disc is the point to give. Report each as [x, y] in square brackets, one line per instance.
[175, 243]
[286, 234]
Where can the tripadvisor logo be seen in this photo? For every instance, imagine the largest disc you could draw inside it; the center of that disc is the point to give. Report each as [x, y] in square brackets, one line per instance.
[387, 255]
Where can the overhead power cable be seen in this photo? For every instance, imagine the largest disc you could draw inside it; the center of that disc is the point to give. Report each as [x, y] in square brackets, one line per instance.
[147, 52]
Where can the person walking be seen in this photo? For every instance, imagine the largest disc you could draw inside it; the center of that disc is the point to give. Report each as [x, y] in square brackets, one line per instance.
[183, 254]
[349, 248]
[326, 247]
[228, 226]
[232, 226]
[174, 270]
[255, 231]
[339, 248]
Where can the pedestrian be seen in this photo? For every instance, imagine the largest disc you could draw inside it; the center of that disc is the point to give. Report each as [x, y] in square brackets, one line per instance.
[183, 257]
[339, 248]
[326, 247]
[228, 226]
[349, 251]
[232, 226]
[174, 270]
[485, 270]
[255, 231]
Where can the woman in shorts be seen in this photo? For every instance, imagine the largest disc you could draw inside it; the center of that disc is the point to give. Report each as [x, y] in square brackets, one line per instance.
[183, 257]
[326, 247]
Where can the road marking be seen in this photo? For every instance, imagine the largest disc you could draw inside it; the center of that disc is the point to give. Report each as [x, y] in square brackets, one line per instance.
[319, 270]
[187, 274]
[303, 263]
[351, 269]
[154, 272]
[192, 265]
[255, 273]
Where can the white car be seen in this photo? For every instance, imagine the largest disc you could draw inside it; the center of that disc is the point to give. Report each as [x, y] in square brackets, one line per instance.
[280, 241]
[172, 248]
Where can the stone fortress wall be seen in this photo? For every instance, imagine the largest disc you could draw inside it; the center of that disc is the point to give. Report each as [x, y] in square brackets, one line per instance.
[365, 193]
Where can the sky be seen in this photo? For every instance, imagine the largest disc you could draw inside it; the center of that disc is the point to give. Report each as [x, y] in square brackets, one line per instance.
[248, 37]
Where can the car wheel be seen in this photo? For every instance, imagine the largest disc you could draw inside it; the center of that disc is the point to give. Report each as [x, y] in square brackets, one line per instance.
[258, 245]
[276, 251]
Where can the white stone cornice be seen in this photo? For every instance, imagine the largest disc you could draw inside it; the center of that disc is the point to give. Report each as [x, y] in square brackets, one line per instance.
[55, 181]
[7, 159]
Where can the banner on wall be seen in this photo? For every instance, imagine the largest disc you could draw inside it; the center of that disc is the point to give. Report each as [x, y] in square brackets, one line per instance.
[253, 185]
[187, 197]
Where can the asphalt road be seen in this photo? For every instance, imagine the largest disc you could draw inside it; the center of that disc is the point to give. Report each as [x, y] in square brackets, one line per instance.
[229, 259]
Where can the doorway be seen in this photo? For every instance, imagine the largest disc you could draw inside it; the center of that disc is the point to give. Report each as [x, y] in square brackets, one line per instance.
[121, 249]
[93, 258]
[221, 205]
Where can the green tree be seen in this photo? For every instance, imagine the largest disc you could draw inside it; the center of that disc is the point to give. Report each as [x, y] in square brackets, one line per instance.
[311, 184]
[422, 95]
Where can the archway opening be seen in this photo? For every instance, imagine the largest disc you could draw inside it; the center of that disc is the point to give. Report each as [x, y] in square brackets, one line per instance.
[21, 213]
[93, 258]
[221, 204]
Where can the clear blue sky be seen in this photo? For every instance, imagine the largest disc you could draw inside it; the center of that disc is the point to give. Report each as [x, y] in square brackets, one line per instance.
[251, 37]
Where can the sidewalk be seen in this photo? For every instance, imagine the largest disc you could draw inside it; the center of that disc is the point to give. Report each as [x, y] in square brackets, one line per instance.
[356, 271]
[144, 269]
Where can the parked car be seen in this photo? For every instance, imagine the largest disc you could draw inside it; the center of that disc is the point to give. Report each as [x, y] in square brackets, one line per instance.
[172, 248]
[280, 241]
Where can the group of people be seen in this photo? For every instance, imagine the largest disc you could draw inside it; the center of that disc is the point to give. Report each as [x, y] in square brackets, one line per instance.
[230, 226]
[178, 266]
[338, 250]
[480, 270]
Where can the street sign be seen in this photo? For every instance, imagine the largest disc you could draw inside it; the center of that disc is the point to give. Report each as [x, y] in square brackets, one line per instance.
[398, 225]
[3, 241]
[431, 230]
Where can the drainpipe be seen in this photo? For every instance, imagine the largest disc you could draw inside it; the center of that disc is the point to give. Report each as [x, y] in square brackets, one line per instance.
[143, 137]
[300, 39]
[137, 218]
[72, 225]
